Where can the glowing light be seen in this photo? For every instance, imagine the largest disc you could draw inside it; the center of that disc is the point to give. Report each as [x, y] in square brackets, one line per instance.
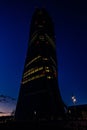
[45, 58]
[40, 68]
[46, 67]
[74, 99]
[49, 77]
[33, 60]
[32, 71]
[35, 112]
[47, 70]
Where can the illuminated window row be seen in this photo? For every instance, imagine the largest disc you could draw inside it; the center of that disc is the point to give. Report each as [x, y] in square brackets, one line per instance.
[33, 78]
[33, 60]
[45, 59]
[34, 70]
[28, 71]
[47, 70]
[31, 71]
[50, 40]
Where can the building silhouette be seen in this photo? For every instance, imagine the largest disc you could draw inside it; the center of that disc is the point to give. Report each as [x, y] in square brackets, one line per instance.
[39, 96]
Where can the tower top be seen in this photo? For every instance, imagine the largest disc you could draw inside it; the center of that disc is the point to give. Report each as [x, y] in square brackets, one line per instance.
[42, 21]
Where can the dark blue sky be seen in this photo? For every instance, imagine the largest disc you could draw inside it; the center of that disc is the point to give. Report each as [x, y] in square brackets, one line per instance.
[70, 22]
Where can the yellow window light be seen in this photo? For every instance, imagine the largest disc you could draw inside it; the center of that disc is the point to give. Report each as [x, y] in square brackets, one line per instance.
[49, 77]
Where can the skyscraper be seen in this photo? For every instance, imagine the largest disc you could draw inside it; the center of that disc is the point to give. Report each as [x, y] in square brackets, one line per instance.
[39, 95]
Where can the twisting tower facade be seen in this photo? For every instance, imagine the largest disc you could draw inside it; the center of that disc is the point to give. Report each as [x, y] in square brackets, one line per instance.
[39, 96]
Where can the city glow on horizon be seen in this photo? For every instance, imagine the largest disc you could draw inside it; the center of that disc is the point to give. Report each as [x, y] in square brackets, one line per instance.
[7, 105]
[5, 114]
[6, 110]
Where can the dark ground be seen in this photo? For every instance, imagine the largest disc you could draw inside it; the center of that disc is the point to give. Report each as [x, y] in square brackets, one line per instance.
[58, 124]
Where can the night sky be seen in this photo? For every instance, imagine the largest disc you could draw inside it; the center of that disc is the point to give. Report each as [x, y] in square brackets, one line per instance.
[70, 22]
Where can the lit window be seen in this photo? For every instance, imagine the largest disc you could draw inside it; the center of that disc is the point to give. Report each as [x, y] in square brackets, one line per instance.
[32, 71]
[49, 77]
[40, 68]
[32, 78]
[36, 69]
[45, 59]
[47, 70]
[47, 67]
[33, 60]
